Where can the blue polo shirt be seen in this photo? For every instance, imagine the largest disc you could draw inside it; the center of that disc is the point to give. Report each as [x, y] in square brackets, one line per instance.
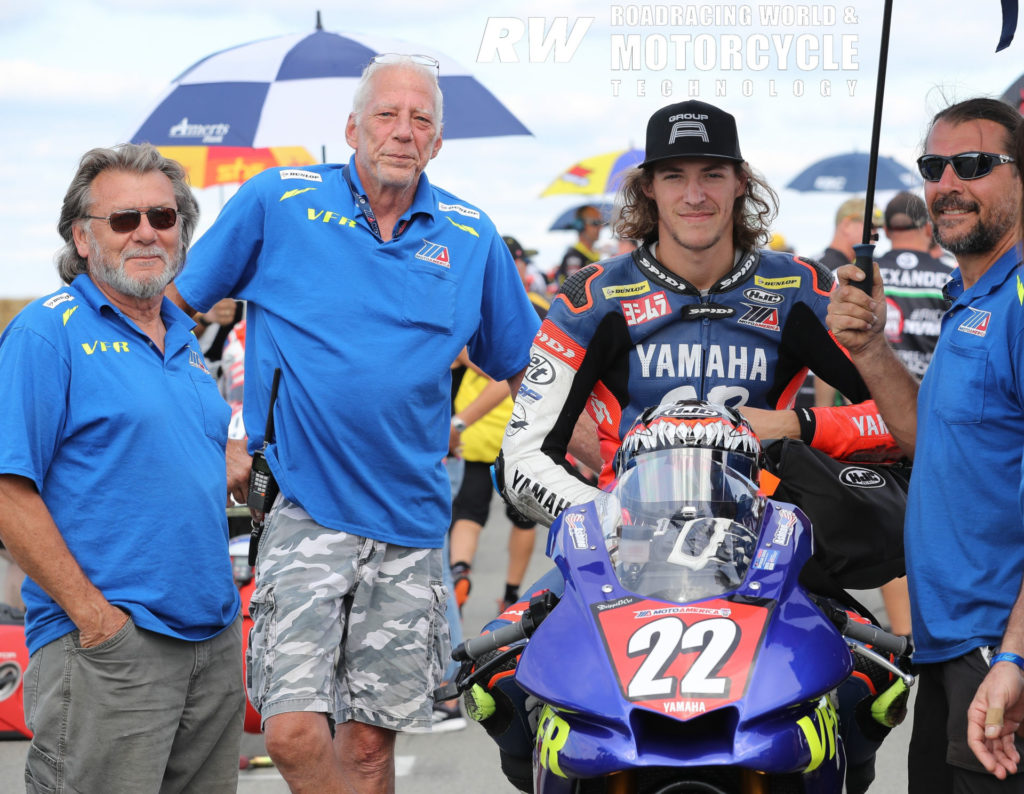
[965, 511]
[126, 447]
[364, 332]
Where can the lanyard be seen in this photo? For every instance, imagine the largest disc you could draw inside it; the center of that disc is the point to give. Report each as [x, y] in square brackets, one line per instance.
[366, 209]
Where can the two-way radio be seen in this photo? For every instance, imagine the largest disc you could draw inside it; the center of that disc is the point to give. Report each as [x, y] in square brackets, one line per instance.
[262, 486]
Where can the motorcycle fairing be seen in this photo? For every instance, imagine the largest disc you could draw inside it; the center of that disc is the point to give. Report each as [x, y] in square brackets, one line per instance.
[772, 719]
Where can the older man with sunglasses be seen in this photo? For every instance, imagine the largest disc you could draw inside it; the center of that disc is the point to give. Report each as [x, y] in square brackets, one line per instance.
[963, 427]
[363, 282]
[112, 492]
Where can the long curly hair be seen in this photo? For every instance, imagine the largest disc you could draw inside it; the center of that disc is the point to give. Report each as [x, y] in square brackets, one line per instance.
[636, 215]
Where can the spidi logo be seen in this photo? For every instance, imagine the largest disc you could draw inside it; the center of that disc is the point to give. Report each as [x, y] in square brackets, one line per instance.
[556, 40]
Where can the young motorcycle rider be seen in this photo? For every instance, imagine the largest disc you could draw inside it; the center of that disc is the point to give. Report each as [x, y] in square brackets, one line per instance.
[697, 311]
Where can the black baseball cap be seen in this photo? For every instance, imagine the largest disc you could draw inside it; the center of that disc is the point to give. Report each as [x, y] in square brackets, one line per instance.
[691, 129]
[905, 211]
[517, 251]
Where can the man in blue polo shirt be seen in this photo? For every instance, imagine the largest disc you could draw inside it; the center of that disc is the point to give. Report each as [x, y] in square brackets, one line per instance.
[112, 492]
[965, 524]
[363, 282]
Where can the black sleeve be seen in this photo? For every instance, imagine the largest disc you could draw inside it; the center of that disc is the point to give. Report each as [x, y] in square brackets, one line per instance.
[810, 342]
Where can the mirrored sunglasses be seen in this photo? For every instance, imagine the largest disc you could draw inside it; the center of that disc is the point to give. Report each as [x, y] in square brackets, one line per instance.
[128, 220]
[966, 165]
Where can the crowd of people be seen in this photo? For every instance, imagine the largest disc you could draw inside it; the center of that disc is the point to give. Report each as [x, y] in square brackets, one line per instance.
[118, 460]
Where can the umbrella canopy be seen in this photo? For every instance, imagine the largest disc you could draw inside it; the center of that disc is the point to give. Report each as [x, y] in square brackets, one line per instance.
[596, 175]
[298, 89]
[222, 165]
[564, 222]
[848, 173]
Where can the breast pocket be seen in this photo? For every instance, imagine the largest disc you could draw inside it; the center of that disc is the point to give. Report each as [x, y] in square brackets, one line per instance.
[428, 300]
[216, 412]
[964, 402]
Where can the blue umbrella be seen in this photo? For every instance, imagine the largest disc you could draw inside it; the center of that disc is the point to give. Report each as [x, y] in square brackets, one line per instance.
[848, 173]
[564, 222]
[297, 90]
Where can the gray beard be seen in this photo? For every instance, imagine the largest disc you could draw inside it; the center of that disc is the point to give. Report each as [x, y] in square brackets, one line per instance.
[116, 277]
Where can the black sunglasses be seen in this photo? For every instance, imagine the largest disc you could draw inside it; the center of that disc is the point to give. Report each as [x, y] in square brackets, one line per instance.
[129, 220]
[966, 165]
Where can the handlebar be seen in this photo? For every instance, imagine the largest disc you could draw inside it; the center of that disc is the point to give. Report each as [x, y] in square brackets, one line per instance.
[540, 607]
[877, 638]
[477, 646]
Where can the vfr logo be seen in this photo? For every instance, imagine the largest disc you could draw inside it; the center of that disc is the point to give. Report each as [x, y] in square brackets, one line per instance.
[103, 347]
[326, 216]
[502, 34]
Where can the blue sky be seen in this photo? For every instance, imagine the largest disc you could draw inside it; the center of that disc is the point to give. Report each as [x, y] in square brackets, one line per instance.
[81, 73]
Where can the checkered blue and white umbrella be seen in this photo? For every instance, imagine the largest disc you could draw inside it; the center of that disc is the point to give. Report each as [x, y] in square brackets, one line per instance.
[297, 90]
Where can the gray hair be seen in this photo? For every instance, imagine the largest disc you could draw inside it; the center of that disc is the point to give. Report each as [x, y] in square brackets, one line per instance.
[141, 158]
[362, 95]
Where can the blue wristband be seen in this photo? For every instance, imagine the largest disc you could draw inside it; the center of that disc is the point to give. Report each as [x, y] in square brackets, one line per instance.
[1012, 658]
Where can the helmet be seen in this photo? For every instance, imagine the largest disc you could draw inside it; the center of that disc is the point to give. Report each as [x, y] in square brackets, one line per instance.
[688, 508]
[692, 424]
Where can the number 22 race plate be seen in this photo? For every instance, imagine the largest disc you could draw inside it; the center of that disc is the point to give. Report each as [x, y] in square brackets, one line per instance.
[682, 659]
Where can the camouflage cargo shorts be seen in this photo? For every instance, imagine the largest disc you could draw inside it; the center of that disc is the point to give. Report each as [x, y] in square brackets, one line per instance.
[345, 625]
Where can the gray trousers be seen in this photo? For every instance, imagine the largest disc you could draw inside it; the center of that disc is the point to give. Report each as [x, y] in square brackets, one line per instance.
[139, 713]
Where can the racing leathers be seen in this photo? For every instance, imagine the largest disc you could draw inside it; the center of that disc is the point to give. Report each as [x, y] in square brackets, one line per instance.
[627, 333]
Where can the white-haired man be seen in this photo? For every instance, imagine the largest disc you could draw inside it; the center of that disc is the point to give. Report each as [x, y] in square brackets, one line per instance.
[363, 282]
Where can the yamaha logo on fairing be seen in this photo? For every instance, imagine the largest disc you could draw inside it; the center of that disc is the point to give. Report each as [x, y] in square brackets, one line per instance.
[861, 478]
[763, 297]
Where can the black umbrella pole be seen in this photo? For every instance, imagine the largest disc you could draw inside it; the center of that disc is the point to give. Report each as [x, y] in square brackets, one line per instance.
[866, 249]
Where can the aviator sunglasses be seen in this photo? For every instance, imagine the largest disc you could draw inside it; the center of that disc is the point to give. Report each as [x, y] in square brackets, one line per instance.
[967, 165]
[128, 220]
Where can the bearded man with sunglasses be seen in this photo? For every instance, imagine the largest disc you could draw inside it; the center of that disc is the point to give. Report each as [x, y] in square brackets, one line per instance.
[964, 427]
[112, 493]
